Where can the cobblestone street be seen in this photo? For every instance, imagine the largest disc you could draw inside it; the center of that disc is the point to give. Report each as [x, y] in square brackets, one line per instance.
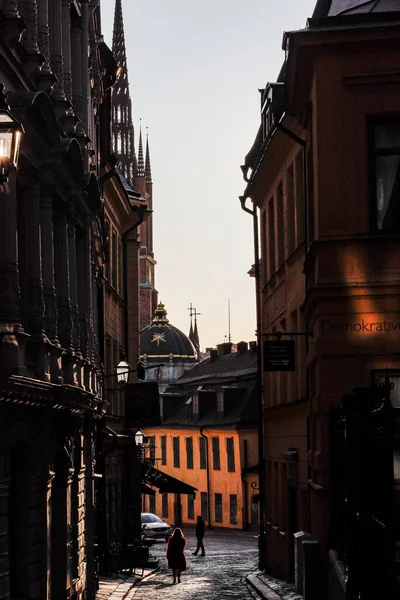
[230, 557]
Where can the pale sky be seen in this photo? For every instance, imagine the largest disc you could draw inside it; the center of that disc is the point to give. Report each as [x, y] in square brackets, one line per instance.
[194, 71]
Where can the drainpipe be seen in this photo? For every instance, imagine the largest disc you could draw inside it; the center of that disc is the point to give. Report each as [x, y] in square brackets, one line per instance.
[261, 459]
[208, 479]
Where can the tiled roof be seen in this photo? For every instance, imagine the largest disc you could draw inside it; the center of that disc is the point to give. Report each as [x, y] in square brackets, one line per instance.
[227, 366]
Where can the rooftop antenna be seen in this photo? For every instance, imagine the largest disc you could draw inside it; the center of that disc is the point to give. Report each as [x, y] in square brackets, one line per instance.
[229, 320]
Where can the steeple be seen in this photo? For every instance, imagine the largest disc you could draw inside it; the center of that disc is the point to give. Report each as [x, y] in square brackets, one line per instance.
[193, 333]
[147, 167]
[123, 134]
[140, 163]
[118, 44]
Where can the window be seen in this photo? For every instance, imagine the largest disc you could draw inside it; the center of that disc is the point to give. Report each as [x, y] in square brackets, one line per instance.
[203, 452]
[386, 150]
[218, 508]
[152, 503]
[280, 226]
[394, 377]
[114, 258]
[106, 242]
[195, 406]
[152, 447]
[177, 458]
[299, 198]
[164, 504]
[163, 449]
[271, 239]
[230, 454]
[204, 505]
[215, 451]
[190, 511]
[189, 452]
[120, 268]
[233, 509]
[290, 210]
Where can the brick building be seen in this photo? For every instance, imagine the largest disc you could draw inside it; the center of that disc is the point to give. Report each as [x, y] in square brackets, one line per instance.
[56, 71]
[208, 439]
[323, 178]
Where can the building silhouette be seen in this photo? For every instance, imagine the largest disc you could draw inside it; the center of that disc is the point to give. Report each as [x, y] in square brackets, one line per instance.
[51, 316]
[322, 175]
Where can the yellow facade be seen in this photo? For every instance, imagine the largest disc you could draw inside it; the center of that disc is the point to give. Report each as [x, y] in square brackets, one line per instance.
[224, 498]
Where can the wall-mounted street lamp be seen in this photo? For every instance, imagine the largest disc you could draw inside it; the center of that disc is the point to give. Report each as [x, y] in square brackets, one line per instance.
[123, 369]
[10, 138]
[139, 438]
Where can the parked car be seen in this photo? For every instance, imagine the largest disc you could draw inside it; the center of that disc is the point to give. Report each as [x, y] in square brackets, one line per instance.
[154, 528]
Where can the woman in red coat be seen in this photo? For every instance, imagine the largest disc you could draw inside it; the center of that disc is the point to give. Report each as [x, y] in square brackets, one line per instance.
[175, 554]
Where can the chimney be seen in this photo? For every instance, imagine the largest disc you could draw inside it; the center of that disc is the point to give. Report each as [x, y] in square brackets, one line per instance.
[224, 348]
[242, 347]
[213, 354]
[253, 346]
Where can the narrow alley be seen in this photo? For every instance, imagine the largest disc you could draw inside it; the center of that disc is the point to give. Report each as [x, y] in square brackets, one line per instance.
[230, 557]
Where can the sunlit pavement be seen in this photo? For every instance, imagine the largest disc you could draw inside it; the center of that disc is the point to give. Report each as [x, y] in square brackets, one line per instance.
[230, 557]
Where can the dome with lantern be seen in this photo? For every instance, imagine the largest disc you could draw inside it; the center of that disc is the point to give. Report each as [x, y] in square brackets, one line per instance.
[167, 348]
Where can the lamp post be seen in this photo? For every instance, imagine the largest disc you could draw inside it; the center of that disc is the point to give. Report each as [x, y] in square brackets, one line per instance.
[10, 138]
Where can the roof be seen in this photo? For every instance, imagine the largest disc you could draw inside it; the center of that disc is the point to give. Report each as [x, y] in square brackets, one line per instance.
[240, 410]
[333, 8]
[228, 366]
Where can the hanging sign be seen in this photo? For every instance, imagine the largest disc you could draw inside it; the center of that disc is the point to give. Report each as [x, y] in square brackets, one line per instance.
[142, 404]
[279, 355]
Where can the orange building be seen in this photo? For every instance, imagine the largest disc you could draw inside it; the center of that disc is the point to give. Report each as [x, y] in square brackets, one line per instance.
[323, 178]
[208, 439]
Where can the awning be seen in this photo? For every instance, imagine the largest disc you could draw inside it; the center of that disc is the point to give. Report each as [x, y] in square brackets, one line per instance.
[166, 483]
[147, 490]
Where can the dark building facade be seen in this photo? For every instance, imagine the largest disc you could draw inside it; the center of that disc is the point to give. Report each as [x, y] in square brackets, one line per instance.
[118, 490]
[323, 178]
[56, 71]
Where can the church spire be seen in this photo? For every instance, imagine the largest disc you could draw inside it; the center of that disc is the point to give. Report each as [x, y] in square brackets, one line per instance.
[193, 333]
[118, 44]
[140, 164]
[147, 167]
[123, 134]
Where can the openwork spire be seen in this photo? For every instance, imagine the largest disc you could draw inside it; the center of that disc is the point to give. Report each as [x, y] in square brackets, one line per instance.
[147, 167]
[122, 127]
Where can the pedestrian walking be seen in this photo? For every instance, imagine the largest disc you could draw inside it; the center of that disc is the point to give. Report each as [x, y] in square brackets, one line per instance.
[200, 530]
[175, 554]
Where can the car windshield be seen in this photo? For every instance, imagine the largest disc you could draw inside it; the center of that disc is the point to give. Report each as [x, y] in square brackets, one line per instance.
[148, 518]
